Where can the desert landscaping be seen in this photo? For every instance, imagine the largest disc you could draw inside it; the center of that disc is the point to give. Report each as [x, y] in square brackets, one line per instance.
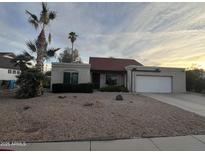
[97, 116]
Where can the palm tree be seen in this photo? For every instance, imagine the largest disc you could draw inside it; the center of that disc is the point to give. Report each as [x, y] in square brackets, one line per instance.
[72, 36]
[39, 46]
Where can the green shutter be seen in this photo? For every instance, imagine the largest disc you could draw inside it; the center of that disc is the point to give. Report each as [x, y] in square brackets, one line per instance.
[66, 78]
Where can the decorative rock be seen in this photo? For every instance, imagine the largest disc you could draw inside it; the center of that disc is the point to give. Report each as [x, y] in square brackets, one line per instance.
[119, 98]
[88, 104]
[26, 107]
[61, 97]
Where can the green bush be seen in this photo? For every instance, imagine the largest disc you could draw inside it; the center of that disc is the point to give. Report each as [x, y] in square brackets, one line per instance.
[114, 89]
[47, 82]
[29, 82]
[79, 88]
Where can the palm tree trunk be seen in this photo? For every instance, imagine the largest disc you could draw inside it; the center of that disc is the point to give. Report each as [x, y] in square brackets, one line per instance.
[72, 54]
[41, 50]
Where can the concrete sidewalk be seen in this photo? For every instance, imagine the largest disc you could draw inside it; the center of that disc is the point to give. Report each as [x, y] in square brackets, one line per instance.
[180, 143]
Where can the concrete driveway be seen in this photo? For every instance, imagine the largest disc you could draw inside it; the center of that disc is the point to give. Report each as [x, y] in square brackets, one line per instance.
[188, 101]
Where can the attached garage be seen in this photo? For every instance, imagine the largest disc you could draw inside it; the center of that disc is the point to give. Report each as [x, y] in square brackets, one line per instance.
[155, 79]
[153, 84]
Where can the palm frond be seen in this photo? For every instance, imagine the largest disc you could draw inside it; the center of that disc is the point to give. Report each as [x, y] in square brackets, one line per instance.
[31, 46]
[44, 16]
[33, 19]
[27, 56]
[44, 7]
[51, 52]
[72, 36]
[52, 15]
[33, 16]
[33, 22]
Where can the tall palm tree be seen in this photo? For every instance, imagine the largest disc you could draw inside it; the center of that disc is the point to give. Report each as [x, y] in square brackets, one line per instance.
[72, 36]
[39, 46]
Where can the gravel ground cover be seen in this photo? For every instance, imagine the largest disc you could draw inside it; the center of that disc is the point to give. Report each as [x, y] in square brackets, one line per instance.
[58, 117]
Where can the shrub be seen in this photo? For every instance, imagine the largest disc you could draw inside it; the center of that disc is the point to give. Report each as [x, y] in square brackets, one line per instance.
[29, 82]
[114, 89]
[79, 88]
[195, 80]
[46, 82]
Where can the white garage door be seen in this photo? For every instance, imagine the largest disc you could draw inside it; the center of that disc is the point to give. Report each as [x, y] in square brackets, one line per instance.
[153, 84]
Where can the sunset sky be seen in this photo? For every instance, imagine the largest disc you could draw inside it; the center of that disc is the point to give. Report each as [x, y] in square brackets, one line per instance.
[159, 34]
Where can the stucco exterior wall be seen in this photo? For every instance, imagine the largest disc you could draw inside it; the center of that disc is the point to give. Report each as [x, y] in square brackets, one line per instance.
[120, 79]
[4, 75]
[178, 76]
[58, 70]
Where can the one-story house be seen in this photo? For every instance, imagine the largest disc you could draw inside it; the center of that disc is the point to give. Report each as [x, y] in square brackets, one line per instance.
[114, 71]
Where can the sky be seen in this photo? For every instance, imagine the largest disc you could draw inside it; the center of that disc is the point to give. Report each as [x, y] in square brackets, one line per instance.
[154, 34]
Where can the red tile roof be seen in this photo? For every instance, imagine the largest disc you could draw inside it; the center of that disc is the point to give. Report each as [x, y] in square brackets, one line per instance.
[111, 64]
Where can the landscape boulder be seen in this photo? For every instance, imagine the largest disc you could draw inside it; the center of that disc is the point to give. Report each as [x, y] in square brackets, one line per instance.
[61, 97]
[119, 98]
[88, 104]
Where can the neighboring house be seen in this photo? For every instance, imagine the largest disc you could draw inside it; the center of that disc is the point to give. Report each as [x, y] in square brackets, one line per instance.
[128, 72]
[8, 70]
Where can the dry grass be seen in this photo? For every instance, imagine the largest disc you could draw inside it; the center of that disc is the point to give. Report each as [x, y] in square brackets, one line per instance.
[93, 116]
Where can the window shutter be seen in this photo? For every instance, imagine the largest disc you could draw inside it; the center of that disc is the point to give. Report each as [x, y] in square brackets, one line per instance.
[66, 78]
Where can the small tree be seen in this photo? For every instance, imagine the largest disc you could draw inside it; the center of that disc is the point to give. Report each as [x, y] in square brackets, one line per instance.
[69, 56]
[195, 80]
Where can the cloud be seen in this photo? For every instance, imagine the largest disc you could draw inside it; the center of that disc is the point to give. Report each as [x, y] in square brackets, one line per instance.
[162, 34]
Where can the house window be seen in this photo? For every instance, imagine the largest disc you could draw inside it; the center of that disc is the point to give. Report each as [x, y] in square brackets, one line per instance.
[9, 71]
[74, 78]
[111, 79]
[70, 78]
[14, 71]
[18, 72]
